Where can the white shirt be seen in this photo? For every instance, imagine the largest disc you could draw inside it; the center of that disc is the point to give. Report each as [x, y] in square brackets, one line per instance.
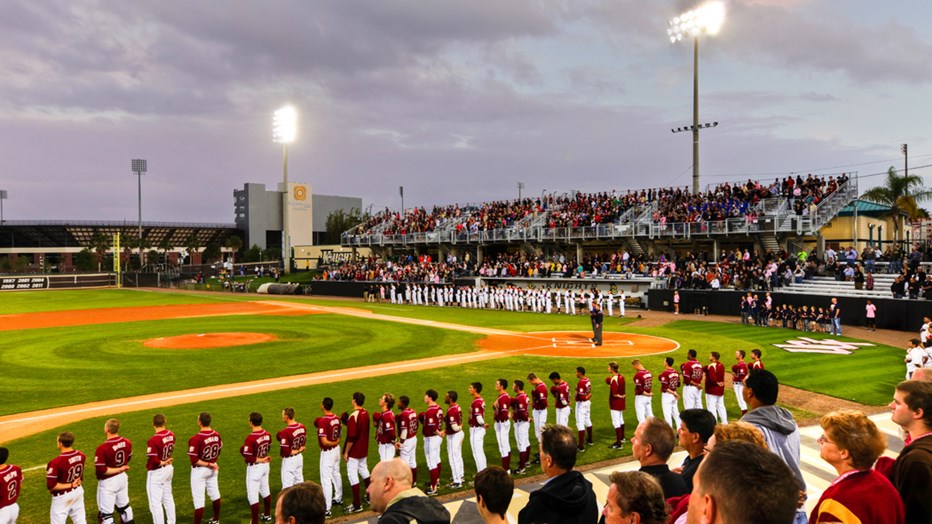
[914, 359]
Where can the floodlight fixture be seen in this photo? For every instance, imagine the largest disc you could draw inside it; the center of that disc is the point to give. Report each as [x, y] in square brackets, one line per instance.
[285, 125]
[284, 132]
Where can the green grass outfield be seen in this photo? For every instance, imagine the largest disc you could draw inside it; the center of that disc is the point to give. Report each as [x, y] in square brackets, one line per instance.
[63, 366]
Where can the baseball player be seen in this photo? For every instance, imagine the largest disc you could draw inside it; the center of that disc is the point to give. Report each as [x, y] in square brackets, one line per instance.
[520, 415]
[111, 461]
[692, 381]
[328, 438]
[715, 387]
[63, 478]
[430, 420]
[407, 435]
[503, 422]
[255, 452]
[621, 302]
[739, 372]
[160, 471]
[292, 441]
[453, 432]
[356, 450]
[616, 402]
[643, 391]
[11, 484]
[561, 399]
[756, 362]
[539, 406]
[583, 408]
[669, 382]
[385, 430]
[477, 425]
[203, 451]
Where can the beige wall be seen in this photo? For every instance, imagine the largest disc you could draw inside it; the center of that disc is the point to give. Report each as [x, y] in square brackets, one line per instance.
[840, 231]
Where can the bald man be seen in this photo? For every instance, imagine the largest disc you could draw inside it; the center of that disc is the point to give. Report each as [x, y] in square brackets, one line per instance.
[393, 497]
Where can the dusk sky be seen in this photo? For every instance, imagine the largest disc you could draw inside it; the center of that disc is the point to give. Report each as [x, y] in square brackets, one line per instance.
[456, 100]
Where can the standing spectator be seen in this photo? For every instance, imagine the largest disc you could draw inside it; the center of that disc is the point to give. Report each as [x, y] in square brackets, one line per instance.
[566, 496]
[652, 445]
[715, 387]
[494, 489]
[11, 484]
[477, 425]
[302, 503]
[160, 471]
[669, 382]
[912, 471]
[676, 302]
[63, 478]
[356, 449]
[398, 501]
[696, 428]
[851, 444]
[292, 440]
[256, 454]
[871, 316]
[203, 452]
[616, 403]
[835, 314]
[453, 432]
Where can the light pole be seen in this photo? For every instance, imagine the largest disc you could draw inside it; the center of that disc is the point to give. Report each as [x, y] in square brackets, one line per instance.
[520, 187]
[706, 19]
[905, 149]
[139, 167]
[401, 191]
[284, 130]
[2, 198]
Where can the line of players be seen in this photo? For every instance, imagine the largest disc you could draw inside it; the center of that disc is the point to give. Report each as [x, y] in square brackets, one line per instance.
[507, 298]
[393, 434]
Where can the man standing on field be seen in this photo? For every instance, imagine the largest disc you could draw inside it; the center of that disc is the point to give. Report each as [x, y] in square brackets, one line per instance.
[256, 453]
[356, 450]
[739, 372]
[616, 402]
[453, 433]
[560, 391]
[293, 441]
[520, 416]
[203, 451]
[407, 435]
[328, 439]
[160, 472]
[583, 408]
[669, 383]
[111, 461]
[385, 430]
[715, 388]
[643, 391]
[503, 422]
[11, 484]
[63, 478]
[692, 381]
[430, 420]
[477, 425]
[538, 406]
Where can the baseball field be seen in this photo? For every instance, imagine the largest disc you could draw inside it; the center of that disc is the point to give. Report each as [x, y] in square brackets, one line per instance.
[72, 359]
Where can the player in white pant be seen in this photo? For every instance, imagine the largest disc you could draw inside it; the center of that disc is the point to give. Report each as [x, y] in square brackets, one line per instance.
[204, 477]
[583, 407]
[68, 505]
[113, 493]
[292, 442]
[64, 474]
[111, 461]
[716, 405]
[739, 372]
[692, 397]
[453, 432]
[257, 482]
[330, 479]
[160, 472]
[477, 425]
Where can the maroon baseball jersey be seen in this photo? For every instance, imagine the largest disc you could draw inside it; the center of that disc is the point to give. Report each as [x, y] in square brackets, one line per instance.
[113, 453]
[519, 406]
[643, 382]
[616, 386]
[692, 373]
[714, 373]
[293, 437]
[476, 410]
[11, 483]
[384, 427]
[257, 446]
[739, 372]
[205, 446]
[453, 417]
[758, 365]
[64, 469]
[159, 448]
[407, 424]
[502, 403]
[431, 420]
[583, 390]
[328, 426]
[357, 433]
[669, 381]
[561, 395]
[539, 396]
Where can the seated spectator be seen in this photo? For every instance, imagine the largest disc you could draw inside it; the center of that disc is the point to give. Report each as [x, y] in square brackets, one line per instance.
[301, 504]
[634, 496]
[494, 489]
[652, 446]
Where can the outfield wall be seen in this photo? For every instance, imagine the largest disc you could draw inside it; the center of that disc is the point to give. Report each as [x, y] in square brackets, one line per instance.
[892, 313]
[33, 282]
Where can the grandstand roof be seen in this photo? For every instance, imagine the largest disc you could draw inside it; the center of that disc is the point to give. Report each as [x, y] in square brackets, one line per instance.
[865, 207]
[77, 233]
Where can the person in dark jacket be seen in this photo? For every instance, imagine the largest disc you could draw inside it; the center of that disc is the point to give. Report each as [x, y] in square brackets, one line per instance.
[566, 497]
[393, 497]
[912, 472]
[652, 446]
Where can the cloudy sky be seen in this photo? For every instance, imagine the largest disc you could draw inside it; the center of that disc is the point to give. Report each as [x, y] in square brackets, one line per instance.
[456, 100]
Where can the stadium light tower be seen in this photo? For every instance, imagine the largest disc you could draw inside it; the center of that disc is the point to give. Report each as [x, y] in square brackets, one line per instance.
[2, 198]
[139, 167]
[706, 19]
[284, 131]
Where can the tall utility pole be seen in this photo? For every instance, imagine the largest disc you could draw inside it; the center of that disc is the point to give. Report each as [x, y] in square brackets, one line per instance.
[401, 191]
[139, 167]
[905, 149]
[520, 187]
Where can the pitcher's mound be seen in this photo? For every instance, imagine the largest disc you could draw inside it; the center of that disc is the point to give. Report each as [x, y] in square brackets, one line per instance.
[208, 340]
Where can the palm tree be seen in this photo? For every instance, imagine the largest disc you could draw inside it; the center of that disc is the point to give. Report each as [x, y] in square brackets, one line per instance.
[903, 194]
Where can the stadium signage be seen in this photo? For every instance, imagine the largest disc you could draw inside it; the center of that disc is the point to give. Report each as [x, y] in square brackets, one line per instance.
[11, 284]
[829, 346]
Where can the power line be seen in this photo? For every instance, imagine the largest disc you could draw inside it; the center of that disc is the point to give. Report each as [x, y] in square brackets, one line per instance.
[812, 170]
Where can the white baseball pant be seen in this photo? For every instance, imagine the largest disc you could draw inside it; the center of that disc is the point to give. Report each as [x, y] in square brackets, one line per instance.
[540, 420]
[618, 418]
[692, 397]
[386, 452]
[716, 405]
[432, 451]
[563, 416]
[330, 478]
[9, 514]
[292, 470]
[409, 452]
[257, 482]
[583, 419]
[113, 494]
[455, 455]
[522, 432]
[671, 412]
[159, 492]
[739, 392]
[202, 477]
[477, 441]
[643, 408]
[68, 505]
[355, 468]
[502, 432]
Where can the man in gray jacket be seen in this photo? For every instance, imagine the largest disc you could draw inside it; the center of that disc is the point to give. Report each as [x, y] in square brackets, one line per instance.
[397, 501]
[777, 424]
